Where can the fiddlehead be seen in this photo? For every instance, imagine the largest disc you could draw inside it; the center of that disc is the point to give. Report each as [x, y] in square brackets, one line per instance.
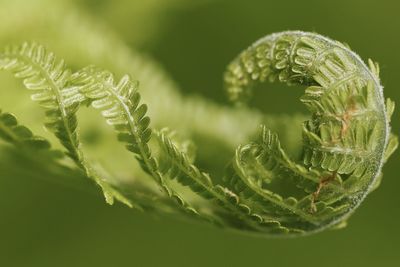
[345, 140]
[264, 190]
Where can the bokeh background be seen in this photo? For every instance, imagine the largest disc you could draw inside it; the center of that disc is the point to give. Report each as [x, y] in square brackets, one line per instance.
[45, 224]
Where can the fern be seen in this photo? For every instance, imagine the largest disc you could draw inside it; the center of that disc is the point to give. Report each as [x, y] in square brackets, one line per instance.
[120, 106]
[264, 190]
[48, 78]
[13, 132]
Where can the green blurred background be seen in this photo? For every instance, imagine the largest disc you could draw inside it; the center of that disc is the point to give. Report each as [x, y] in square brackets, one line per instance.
[43, 224]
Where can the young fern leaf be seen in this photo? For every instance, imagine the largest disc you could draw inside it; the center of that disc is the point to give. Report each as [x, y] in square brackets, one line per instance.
[119, 104]
[169, 171]
[345, 142]
[13, 132]
[261, 169]
[48, 78]
[179, 167]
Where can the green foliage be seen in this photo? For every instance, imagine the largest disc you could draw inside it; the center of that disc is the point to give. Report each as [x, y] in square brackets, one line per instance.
[13, 132]
[264, 189]
[48, 79]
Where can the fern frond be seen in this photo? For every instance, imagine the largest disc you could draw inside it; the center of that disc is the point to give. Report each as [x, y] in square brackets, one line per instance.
[265, 169]
[179, 167]
[48, 78]
[265, 190]
[120, 105]
[341, 141]
[13, 132]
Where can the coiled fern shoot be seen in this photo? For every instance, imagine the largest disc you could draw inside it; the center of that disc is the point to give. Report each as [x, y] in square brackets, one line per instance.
[263, 190]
